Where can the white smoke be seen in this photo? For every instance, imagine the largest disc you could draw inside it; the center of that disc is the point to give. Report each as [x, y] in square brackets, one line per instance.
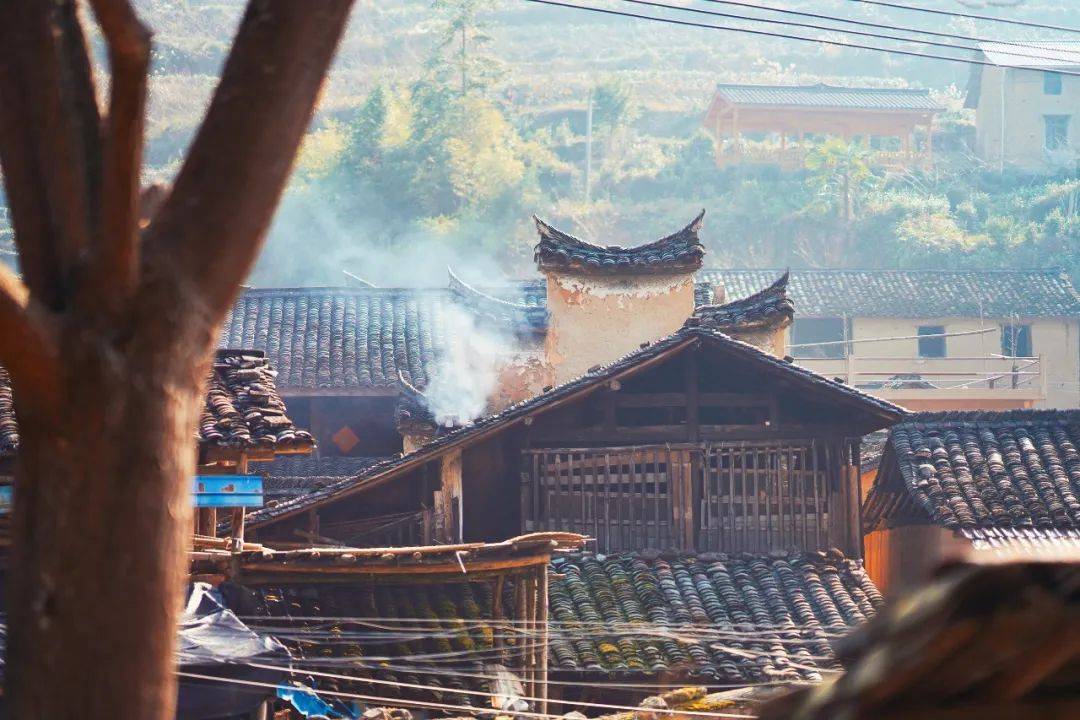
[466, 375]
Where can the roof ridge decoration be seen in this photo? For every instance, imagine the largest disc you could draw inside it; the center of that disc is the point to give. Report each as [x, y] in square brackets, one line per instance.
[768, 308]
[533, 317]
[412, 411]
[680, 252]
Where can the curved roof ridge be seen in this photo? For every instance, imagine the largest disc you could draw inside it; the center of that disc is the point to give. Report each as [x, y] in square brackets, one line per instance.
[769, 307]
[680, 251]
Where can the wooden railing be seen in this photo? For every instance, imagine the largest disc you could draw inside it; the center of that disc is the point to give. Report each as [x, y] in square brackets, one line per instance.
[731, 496]
[759, 497]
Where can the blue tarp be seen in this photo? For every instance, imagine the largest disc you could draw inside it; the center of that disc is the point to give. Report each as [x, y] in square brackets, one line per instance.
[213, 641]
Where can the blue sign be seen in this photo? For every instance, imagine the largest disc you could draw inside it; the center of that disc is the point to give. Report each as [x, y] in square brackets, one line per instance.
[218, 491]
[5, 499]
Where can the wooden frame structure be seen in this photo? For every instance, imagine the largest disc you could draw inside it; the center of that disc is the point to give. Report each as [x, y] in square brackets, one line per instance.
[515, 571]
[803, 113]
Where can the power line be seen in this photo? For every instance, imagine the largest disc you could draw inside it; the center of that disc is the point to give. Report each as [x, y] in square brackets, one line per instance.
[826, 28]
[393, 701]
[864, 23]
[766, 33]
[481, 693]
[1020, 52]
[971, 16]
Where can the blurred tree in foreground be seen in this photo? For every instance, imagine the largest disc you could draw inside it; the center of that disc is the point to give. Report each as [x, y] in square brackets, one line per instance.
[107, 333]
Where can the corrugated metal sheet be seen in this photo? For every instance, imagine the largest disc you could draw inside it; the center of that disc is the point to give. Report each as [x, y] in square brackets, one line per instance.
[828, 96]
[913, 293]
[1049, 54]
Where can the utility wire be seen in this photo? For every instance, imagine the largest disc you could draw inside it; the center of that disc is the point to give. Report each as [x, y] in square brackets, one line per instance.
[459, 671]
[765, 33]
[481, 693]
[970, 16]
[864, 23]
[826, 28]
[392, 701]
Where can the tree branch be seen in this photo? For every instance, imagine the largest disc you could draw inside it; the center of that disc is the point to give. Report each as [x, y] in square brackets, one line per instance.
[49, 142]
[210, 228]
[113, 269]
[30, 349]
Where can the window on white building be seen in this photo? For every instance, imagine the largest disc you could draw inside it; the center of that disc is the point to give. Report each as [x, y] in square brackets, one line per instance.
[819, 330]
[931, 346]
[1016, 340]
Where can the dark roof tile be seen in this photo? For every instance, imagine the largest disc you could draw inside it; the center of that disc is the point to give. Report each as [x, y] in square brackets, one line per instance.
[828, 96]
[9, 428]
[242, 409]
[680, 252]
[742, 618]
[289, 476]
[985, 471]
[768, 308]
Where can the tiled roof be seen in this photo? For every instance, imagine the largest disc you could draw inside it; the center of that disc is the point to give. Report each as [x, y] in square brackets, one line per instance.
[9, 428]
[1033, 54]
[768, 308]
[383, 651]
[990, 475]
[516, 313]
[343, 337]
[242, 409]
[828, 96]
[798, 376]
[741, 618]
[292, 475]
[680, 252]
[913, 293]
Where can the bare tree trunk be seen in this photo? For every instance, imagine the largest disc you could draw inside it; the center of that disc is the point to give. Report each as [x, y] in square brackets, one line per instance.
[107, 334]
[99, 569]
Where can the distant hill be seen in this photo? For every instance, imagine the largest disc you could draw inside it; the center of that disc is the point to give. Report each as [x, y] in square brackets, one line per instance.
[553, 55]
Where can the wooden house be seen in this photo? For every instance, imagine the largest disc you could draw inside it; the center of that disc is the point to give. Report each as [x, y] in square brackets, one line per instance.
[719, 482]
[778, 124]
[952, 483]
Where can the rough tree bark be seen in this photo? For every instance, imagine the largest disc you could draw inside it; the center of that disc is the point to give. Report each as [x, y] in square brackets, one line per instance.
[107, 334]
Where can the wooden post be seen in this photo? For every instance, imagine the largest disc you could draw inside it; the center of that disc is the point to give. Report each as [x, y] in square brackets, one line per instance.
[930, 142]
[690, 510]
[735, 132]
[542, 675]
[531, 586]
[236, 524]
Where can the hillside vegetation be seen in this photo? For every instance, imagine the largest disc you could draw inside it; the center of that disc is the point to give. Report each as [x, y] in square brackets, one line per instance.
[422, 156]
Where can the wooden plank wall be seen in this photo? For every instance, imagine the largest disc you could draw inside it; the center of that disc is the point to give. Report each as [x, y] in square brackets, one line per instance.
[734, 496]
[764, 496]
[626, 498]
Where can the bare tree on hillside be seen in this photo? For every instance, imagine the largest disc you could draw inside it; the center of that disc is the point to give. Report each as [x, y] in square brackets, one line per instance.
[108, 332]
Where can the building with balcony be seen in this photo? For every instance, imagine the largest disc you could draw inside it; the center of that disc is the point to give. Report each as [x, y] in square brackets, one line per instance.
[1027, 104]
[778, 124]
[934, 340]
